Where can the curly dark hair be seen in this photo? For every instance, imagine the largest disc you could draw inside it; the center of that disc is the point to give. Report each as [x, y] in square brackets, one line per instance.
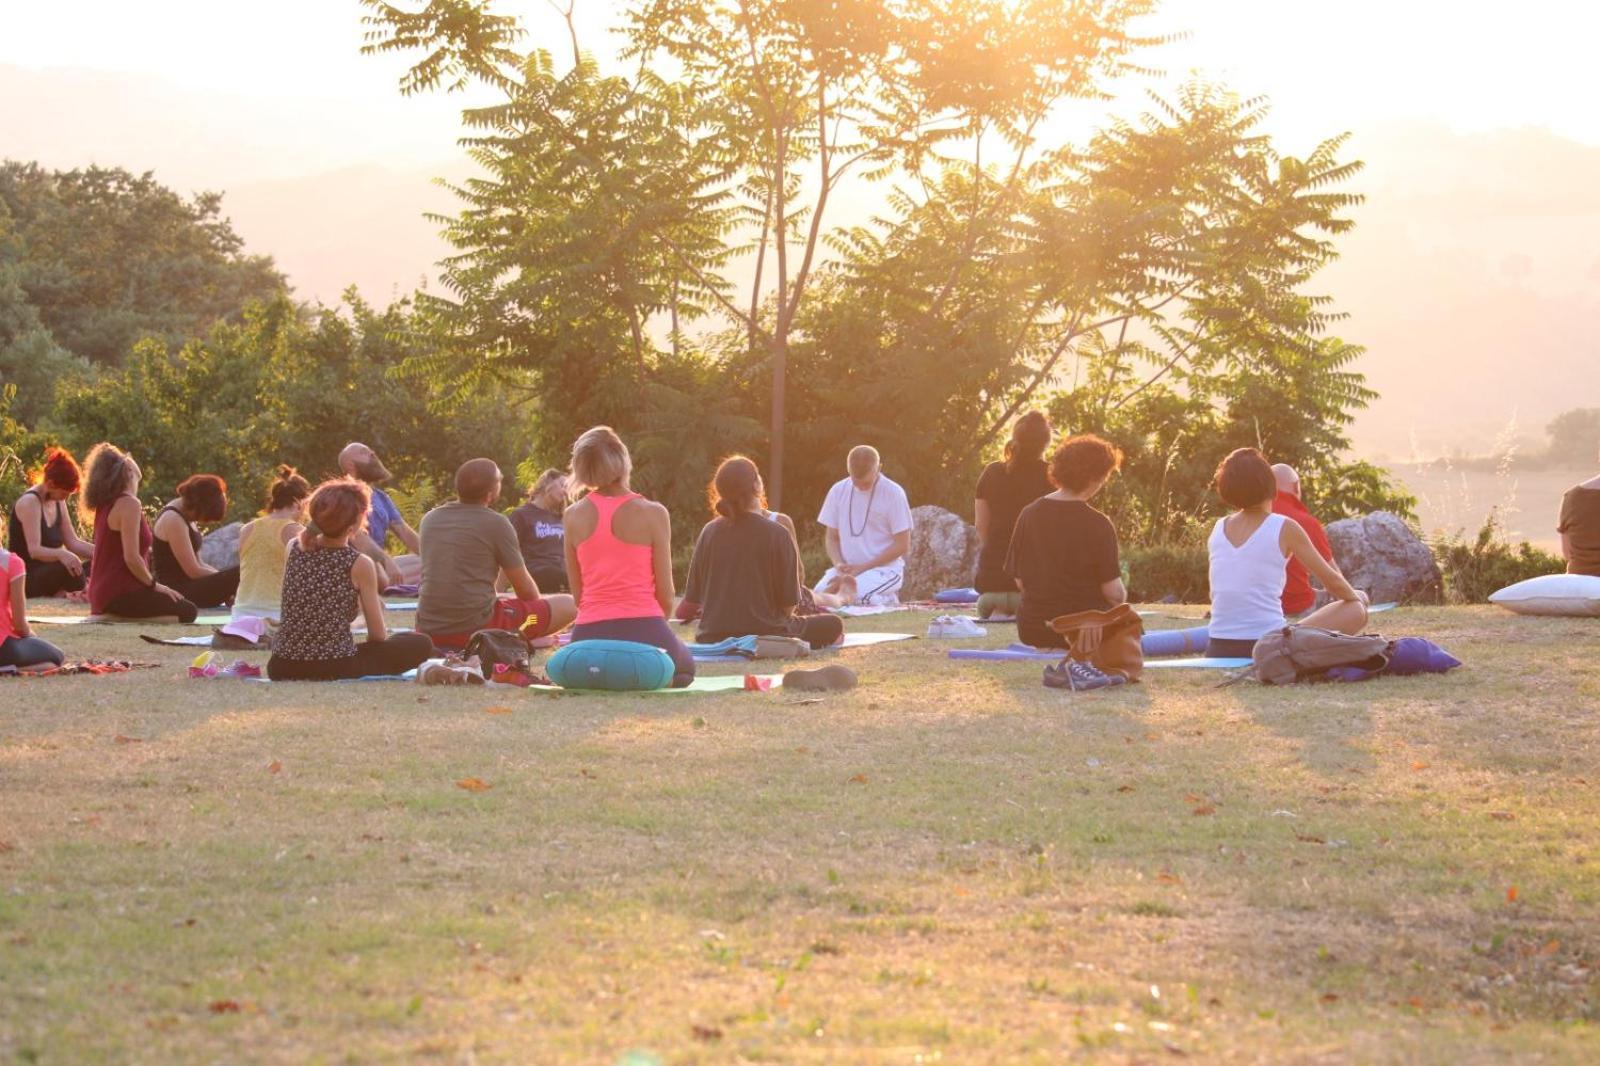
[204, 496]
[1081, 462]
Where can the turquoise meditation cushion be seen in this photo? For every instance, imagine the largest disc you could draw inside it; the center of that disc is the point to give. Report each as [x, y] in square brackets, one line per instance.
[611, 665]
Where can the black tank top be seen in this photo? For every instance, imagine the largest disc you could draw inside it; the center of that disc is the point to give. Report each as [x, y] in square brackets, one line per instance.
[49, 532]
[167, 569]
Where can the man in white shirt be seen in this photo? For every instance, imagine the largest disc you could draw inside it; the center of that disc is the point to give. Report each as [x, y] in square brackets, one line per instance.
[868, 520]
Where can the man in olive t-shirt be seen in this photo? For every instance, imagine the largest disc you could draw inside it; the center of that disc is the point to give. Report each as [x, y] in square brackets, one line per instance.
[469, 546]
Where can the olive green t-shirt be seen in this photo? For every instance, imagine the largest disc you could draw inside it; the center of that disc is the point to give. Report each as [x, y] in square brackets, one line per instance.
[464, 548]
[1580, 521]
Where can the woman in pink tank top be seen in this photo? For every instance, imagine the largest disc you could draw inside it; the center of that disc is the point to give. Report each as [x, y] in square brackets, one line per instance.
[619, 554]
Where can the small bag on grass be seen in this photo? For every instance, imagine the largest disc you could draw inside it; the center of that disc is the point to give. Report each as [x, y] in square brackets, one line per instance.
[1305, 653]
[1109, 640]
[497, 648]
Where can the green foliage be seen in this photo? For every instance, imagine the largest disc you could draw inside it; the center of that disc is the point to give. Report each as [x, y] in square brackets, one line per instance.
[20, 448]
[1179, 572]
[1474, 569]
[286, 385]
[105, 257]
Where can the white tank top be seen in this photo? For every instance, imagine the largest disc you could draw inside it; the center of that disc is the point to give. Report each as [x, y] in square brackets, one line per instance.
[1247, 582]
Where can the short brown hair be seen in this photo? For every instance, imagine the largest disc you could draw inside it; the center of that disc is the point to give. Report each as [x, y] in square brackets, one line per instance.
[1245, 479]
[475, 479]
[337, 507]
[204, 496]
[1079, 462]
[599, 458]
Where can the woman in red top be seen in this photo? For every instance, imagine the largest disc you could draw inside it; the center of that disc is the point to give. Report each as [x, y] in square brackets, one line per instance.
[120, 579]
[619, 554]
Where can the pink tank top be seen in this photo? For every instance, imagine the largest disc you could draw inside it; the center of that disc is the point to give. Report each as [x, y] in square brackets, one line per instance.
[619, 579]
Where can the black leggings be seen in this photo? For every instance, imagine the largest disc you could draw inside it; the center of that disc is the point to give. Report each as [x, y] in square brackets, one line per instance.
[50, 578]
[373, 658]
[28, 651]
[654, 631]
[148, 603]
[818, 630]
[212, 590]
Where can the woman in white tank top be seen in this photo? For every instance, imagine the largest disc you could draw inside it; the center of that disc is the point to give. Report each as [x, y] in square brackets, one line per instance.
[1250, 551]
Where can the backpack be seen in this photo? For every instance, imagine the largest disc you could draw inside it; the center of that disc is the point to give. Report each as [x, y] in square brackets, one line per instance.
[1304, 653]
[497, 647]
[1111, 640]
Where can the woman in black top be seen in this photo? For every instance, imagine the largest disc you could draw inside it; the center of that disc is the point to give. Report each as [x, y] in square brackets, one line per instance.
[745, 572]
[1003, 491]
[326, 583]
[176, 551]
[1064, 552]
[41, 532]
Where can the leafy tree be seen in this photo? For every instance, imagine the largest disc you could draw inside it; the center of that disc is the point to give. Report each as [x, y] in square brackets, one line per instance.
[1575, 437]
[104, 257]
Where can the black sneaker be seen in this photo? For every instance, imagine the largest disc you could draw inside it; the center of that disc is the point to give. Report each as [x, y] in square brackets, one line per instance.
[1079, 676]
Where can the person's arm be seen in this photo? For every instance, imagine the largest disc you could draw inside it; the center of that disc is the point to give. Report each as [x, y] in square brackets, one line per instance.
[171, 528]
[694, 585]
[896, 550]
[19, 605]
[125, 519]
[1295, 542]
[30, 515]
[786, 576]
[364, 575]
[362, 541]
[407, 535]
[75, 545]
[521, 582]
[1566, 548]
[1114, 591]
[661, 542]
[1564, 523]
[980, 519]
[569, 549]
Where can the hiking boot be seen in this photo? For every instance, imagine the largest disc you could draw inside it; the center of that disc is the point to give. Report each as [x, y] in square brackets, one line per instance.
[831, 678]
[1079, 676]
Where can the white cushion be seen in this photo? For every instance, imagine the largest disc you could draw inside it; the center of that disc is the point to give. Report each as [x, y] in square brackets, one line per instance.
[1572, 595]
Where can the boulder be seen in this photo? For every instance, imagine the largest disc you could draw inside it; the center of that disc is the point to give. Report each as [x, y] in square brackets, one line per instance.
[944, 553]
[220, 548]
[1382, 556]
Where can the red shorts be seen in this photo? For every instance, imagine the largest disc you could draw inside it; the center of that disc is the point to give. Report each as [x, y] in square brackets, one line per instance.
[529, 618]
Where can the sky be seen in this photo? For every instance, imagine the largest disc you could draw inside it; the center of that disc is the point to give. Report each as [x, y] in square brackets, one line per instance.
[1480, 241]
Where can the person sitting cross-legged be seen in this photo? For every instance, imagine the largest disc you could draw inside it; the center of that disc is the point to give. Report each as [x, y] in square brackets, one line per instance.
[326, 584]
[176, 551]
[1579, 528]
[19, 648]
[1063, 551]
[41, 532]
[539, 533]
[1249, 552]
[868, 523]
[121, 581]
[359, 461]
[745, 573]
[619, 554]
[467, 549]
[1298, 595]
[264, 546]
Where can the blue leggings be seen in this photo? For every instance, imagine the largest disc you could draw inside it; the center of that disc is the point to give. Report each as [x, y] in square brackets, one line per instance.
[29, 651]
[655, 631]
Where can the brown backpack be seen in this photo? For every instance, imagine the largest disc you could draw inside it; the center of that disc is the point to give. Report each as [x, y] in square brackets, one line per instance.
[1110, 640]
[1301, 653]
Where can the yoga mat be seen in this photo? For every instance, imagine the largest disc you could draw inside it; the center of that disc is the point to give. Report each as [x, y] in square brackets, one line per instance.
[1022, 654]
[1196, 663]
[727, 683]
[399, 605]
[102, 620]
[409, 675]
[851, 640]
[192, 642]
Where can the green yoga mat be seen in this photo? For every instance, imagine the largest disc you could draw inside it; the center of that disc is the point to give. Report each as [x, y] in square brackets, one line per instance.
[726, 683]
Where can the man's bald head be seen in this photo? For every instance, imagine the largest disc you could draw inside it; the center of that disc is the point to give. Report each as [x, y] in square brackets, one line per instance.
[1288, 479]
[478, 481]
[358, 460]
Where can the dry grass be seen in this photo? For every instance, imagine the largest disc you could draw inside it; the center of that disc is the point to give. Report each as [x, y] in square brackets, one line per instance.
[950, 863]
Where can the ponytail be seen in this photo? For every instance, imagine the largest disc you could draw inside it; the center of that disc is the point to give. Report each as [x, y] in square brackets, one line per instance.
[337, 507]
[736, 490]
[1030, 436]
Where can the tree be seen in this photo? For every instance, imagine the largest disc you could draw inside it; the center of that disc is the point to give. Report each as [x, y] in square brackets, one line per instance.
[104, 257]
[1575, 437]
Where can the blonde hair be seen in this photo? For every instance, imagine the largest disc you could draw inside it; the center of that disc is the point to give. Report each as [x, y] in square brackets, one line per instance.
[599, 458]
[546, 479]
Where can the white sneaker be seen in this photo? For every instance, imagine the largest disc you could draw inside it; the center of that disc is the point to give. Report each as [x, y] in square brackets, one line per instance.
[954, 626]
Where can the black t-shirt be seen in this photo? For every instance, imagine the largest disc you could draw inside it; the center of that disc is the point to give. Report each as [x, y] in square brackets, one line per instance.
[539, 537]
[745, 577]
[1006, 493]
[1062, 551]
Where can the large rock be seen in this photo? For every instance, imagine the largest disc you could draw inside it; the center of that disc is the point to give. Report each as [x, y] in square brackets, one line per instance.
[1381, 555]
[220, 548]
[944, 553]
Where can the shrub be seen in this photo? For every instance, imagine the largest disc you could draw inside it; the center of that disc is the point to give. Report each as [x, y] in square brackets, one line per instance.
[1177, 572]
[1474, 569]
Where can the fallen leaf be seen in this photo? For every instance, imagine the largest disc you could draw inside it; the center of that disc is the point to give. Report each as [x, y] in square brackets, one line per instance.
[1502, 816]
[120, 739]
[6, 845]
[1552, 947]
[1190, 797]
[1124, 788]
[223, 1006]
[1419, 766]
[1330, 997]
[1168, 878]
[474, 784]
[803, 750]
[1415, 1002]
[859, 779]
[584, 771]
[1511, 894]
[498, 708]
[1201, 812]
[1307, 838]
[274, 766]
[706, 1032]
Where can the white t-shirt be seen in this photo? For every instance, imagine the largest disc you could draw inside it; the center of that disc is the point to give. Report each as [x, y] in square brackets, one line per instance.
[867, 521]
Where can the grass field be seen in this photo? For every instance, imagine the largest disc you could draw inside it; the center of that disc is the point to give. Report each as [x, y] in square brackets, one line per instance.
[949, 864]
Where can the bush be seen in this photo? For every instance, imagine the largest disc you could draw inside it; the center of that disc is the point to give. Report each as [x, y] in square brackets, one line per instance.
[1474, 569]
[1177, 572]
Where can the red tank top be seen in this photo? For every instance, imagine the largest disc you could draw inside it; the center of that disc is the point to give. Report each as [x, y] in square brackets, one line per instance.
[619, 579]
[109, 576]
